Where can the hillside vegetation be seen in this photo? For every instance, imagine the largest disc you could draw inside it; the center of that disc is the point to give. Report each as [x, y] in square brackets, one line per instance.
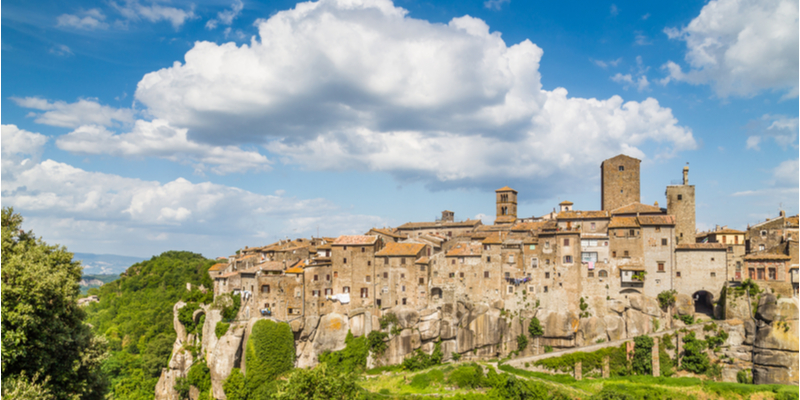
[135, 316]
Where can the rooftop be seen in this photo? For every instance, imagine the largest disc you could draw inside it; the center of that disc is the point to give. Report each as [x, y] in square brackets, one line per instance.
[423, 225]
[401, 249]
[465, 250]
[582, 215]
[345, 240]
[637, 208]
[701, 246]
[656, 220]
[623, 222]
[767, 256]
[506, 189]
[218, 267]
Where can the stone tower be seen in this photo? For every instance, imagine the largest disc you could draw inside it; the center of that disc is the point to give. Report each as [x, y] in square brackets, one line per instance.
[506, 205]
[619, 181]
[680, 203]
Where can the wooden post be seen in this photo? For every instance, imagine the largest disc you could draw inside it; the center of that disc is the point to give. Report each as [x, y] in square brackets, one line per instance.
[629, 346]
[656, 360]
[578, 370]
[606, 367]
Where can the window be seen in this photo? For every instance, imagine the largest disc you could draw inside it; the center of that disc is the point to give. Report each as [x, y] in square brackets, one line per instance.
[489, 259]
[403, 288]
[421, 281]
[761, 247]
[402, 276]
[631, 232]
[712, 259]
[661, 267]
[546, 275]
[344, 261]
[713, 274]
[385, 275]
[346, 289]
[590, 274]
[328, 277]
[378, 302]
[621, 168]
[511, 258]
[751, 273]
[614, 253]
[588, 257]
[627, 254]
[763, 233]
[364, 293]
[738, 266]
[265, 289]
[593, 226]
[677, 274]
[328, 292]
[566, 242]
[545, 289]
[724, 239]
[460, 260]
[680, 197]
[386, 261]
[316, 278]
[403, 260]
[369, 263]
[735, 240]
[422, 268]
[315, 293]
[664, 242]
[368, 278]
[335, 274]
[452, 275]
[658, 229]
[485, 274]
[547, 261]
[404, 301]
[547, 245]
[534, 262]
[345, 247]
[567, 259]
[510, 289]
[460, 274]
[772, 275]
[454, 262]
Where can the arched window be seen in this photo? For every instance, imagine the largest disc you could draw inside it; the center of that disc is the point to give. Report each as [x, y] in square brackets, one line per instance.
[436, 293]
[602, 273]
[622, 168]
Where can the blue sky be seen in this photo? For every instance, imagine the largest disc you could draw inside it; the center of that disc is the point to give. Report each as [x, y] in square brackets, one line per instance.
[136, 127]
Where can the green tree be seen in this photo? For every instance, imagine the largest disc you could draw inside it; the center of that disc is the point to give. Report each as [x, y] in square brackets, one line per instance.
[694, 357]
[44, 333]
[535, 328]
[320, 383]
[270, 353]
[234, 386]
[642, 355]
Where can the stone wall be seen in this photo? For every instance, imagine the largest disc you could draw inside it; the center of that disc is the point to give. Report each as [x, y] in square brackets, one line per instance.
[701, 270]
[683, 210]
[619, 188]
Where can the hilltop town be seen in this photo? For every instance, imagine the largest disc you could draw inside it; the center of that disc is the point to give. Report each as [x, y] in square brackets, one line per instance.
[589, 276]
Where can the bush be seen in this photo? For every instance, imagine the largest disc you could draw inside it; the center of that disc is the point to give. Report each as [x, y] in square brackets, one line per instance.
[199, 376]
[666, 299]
[185, 315]
[270, 352]
[420, 381]
[420, 360]
[230, 312]
[455, 356]
[389, 319]
[522, 342]
[322, 382]
[745, 376]
[548, 349]
[687, 319]
[353, 358]
[535, 328]
[642, 355]
[694, 357]
[377, 342]
[468, 376]
[221, 329]
[234, 386]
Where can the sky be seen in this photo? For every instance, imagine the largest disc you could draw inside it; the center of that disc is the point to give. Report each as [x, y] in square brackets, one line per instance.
[136, 127]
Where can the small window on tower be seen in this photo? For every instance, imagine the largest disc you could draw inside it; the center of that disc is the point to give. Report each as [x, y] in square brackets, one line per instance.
[622, 168]
[680, 197]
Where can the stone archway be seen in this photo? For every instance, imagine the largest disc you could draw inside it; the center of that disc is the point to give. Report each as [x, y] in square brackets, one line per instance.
[703, 302]
[196, 315]
[436, 293]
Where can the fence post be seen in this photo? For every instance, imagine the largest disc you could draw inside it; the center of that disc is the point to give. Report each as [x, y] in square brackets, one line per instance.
[606, 367]
[656, 360]
[578, 370]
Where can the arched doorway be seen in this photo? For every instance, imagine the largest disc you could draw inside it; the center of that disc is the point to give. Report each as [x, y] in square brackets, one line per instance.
[436, 293]
[703, 302]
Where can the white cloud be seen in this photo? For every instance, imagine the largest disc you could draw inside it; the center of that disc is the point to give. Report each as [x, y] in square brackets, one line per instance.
[645, 17]
[614, 10]
[495, 4]
[88, 20]
[783, 130]
[642, 40]
[605, 64]
[741, 47]
[226, 17]
[61, 50]
[70, 115]
[158, 139]
[113, 214]
[752, 142]
[787, 174]
[349, 84]
[20, 149]
[135, 11]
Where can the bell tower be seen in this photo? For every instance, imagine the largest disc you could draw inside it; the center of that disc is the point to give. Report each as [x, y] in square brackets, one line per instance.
[506, 205]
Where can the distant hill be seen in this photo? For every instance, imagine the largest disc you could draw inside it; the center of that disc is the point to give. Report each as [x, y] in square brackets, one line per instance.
[105, 264]
[93, 281]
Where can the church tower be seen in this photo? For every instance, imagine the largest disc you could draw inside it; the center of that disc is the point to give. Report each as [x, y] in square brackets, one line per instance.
[506, 206]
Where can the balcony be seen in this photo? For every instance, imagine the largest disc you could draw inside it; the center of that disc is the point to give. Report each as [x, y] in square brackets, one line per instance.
[632, 277]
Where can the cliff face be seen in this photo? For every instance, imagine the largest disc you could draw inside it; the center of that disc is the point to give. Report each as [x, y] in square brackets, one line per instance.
[775, 356]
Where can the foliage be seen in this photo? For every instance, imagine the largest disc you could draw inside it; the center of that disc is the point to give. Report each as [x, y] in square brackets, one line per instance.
[199, 376]
[630, 392]
[455, 356]
[389, 319]
[548, 349]
[377, 342]
[185, 315]
[270, 353]
[535, 328]
[584, 306]
[351, 359]
[44, 333]
[467, 376]
[230, 311]
[221, 329]
[618, 362]
[749, 286]
[320, 383]
[666, 299]
[522, 342]
[234, 386]
[665, 362]
[715, 341]
[560, 378]
[19, 387]
[642, 355]
[745, 376]
[687, 319]
[182, 386]
[694, 357]
[419, 360]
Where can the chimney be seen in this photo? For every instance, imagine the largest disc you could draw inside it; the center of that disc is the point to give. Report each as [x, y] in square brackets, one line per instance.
[686, 175]
[716, 229]
[782, 213]
[655, 204]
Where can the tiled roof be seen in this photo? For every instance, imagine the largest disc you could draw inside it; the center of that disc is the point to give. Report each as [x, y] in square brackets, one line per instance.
[767, 256]
[701, 246]
[401, 249]
[465, 250]
[792, 221]
[246, 257]
[297, 269]
[326, 246]
[528, 226]
[505, 218]
[218, 267]
[422, 260]
[495, 238]
[423, 225]
[270, 266]
[505, 189]
[726, 231]
[656, 220]
[565, 203]
[354, 240]
[582, 215]
[635, 208]
[388, 232]
[229, 274]
[623, 222]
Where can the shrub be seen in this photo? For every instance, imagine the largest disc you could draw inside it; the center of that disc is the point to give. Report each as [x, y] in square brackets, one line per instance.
[182, 387]
[687, 319]
[420, 360]
[535, 328]
[745, 376]
[229, 312]
[221, 329]
[548, 349]
[455, 356]
[270, 352]
[185, 315]
[234, 386]
[389, 319]
[468, 376]
[666, 299]
[377, 342]
[352, 358]
[420, 381]
[642, 355]
[694, 357]
[522, 342]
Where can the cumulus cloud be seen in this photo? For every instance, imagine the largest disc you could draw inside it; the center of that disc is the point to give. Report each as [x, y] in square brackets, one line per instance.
[495, 4]
[61, 50]
[741, 47]
[158, 139]
[226, 17]
[113, 212]
[88, 20]
[134, 11]
[605, 64]
[783, 130]
[71, 115]
[348, 84]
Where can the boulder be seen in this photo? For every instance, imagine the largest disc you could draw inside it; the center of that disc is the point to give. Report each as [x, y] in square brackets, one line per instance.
[781, 335]
[429, 329]
[615, 327]
[428, 312]
[213, 316]
[448, 329]
[165, 388]
[774, 358]
[772, 375]
[498, 304]
[644, 304]
[448, 348]
[559, 324]
[637, 322]
[591, 329]
[408, 317]
[617, 306]
[226, 355]
[684, 304]
[329, 336]
[771, 309]
[401, 345]
[736, 332]
[297, 324]
[310, 326]
[357, 324]
[749, 331]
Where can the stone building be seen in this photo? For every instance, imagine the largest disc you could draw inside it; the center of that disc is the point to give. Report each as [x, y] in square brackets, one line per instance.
[681, 204]
[619, 182]
[354, 268]
[700, 270]
[443, 228]
[402, 275]
[770, 233]
[506, 204]
[735, 242]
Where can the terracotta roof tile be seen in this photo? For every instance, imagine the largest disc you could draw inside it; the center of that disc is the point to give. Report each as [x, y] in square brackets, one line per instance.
[465, 250]
[505, 218]
[401, 249]
[656, 220]
[294, 270]
[270, 266]
[565, 203]
[495, 238]
[766, 256]
[623, 222]
[582, 215]
[793, 221]
[701, 246]
[427, 225]
[422, 260]
[726, 231]
[505, 189]
[528, 226]
[218, 267]
[634, 208]
[355, 240]
[229, 274]
[388, 232]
